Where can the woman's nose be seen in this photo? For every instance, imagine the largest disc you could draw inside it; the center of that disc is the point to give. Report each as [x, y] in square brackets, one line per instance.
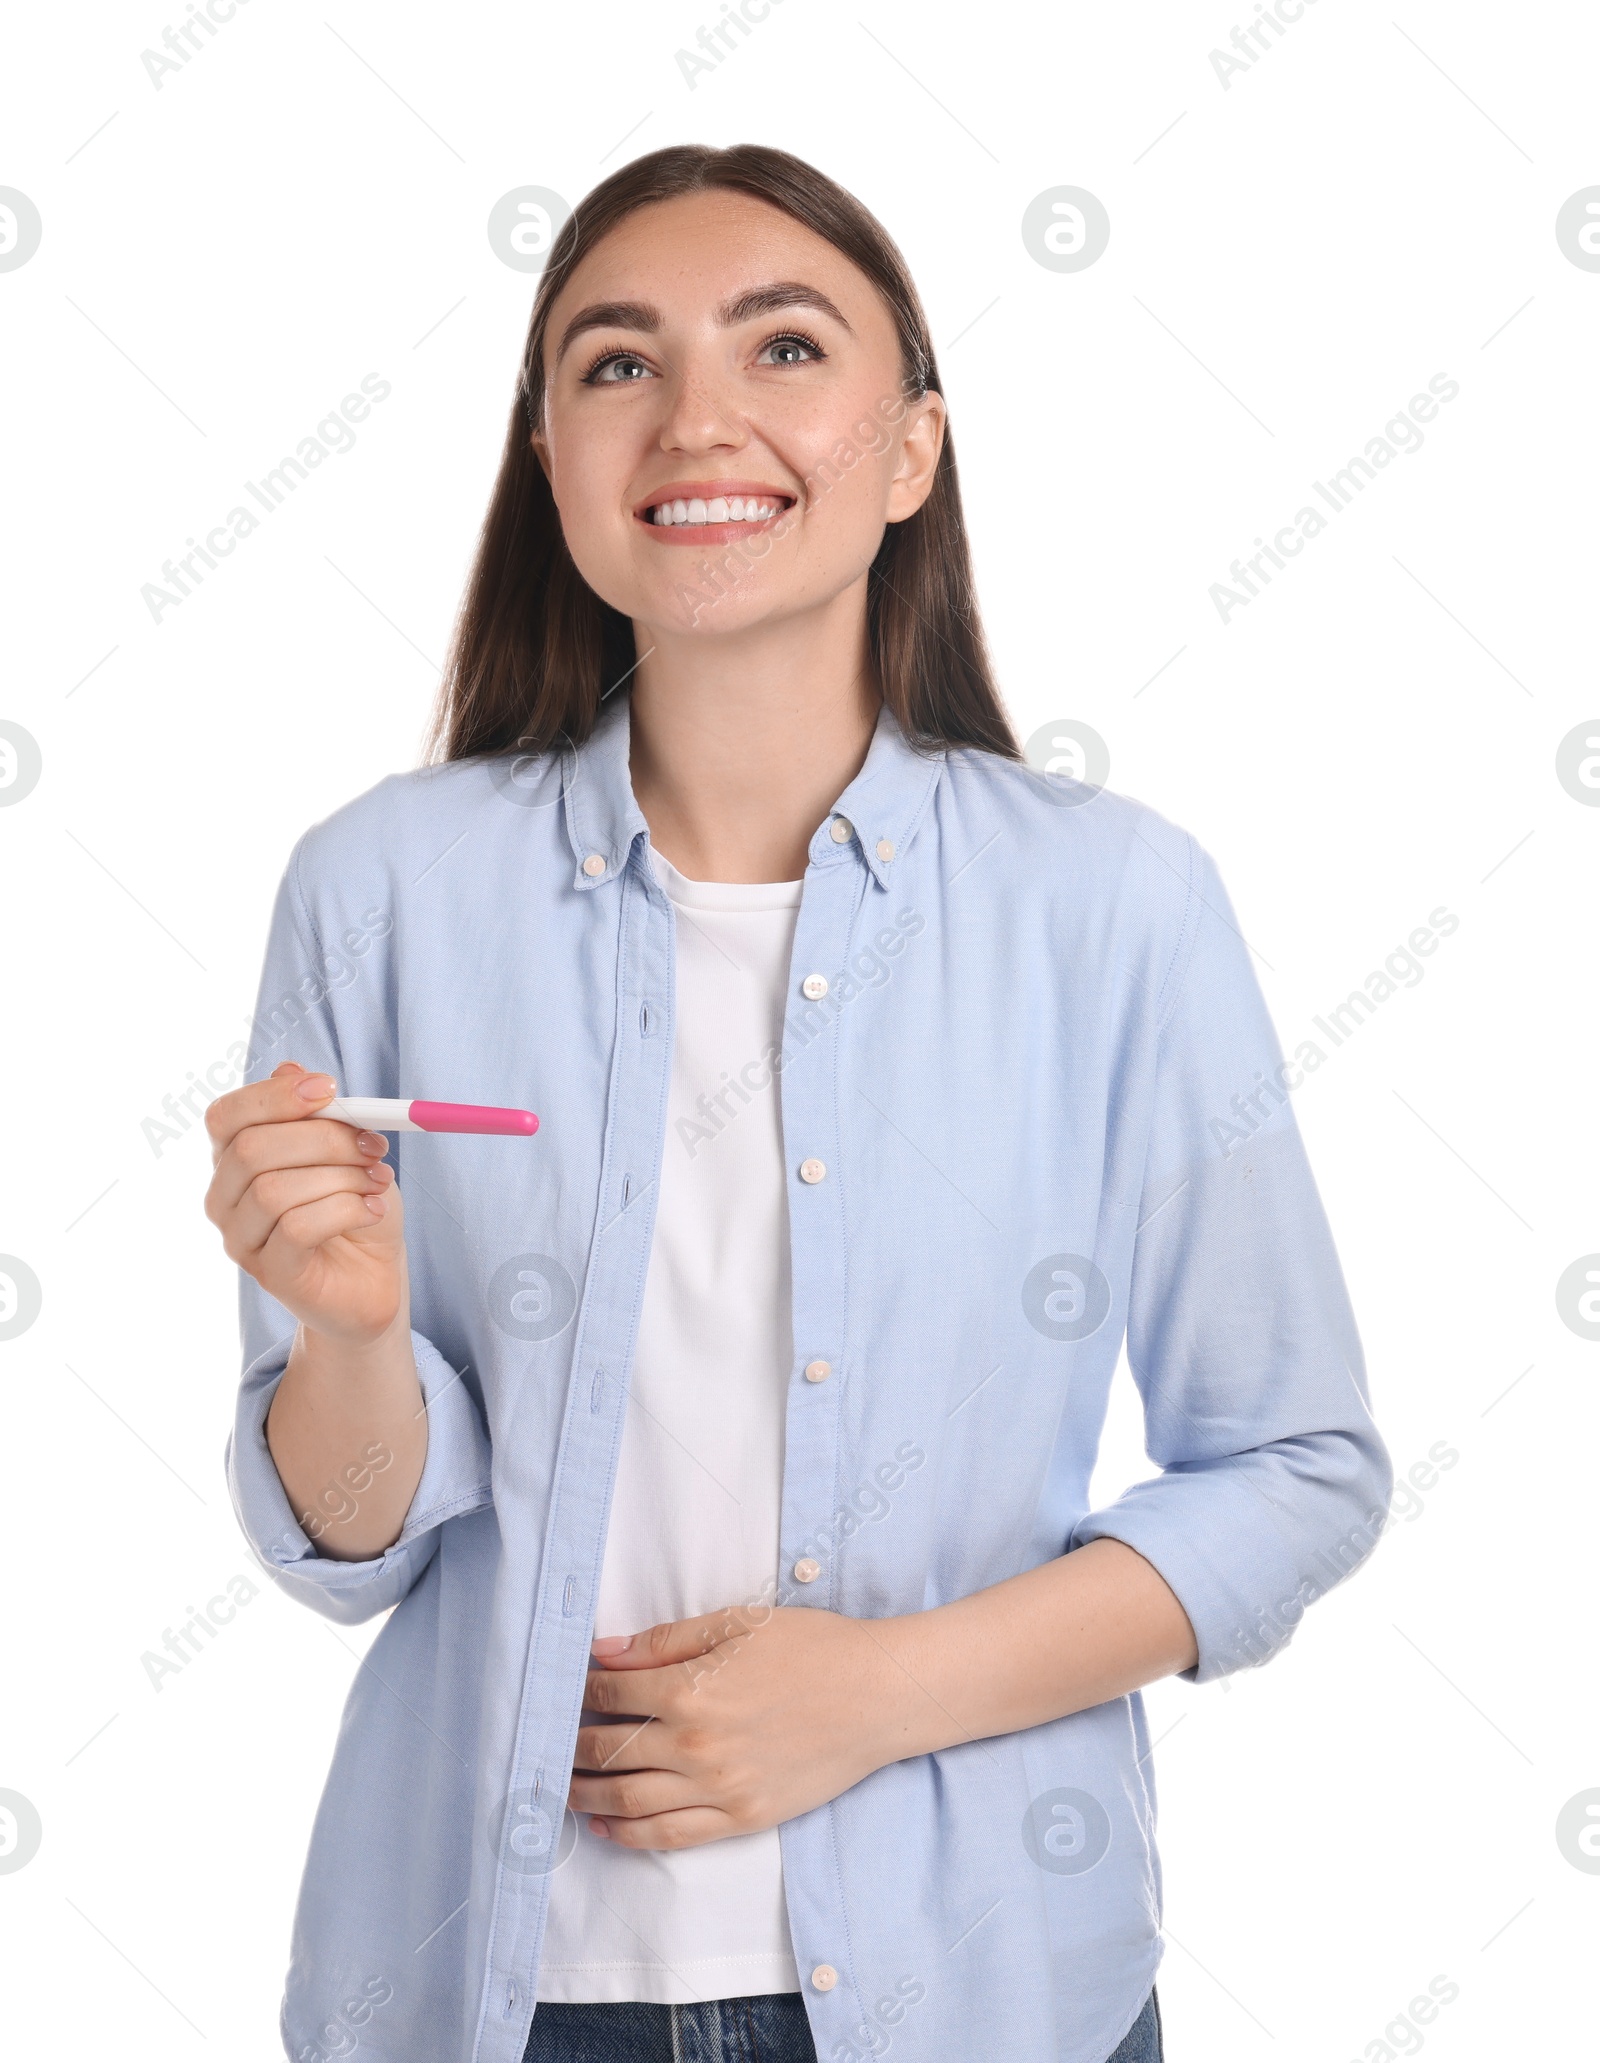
[702, 414]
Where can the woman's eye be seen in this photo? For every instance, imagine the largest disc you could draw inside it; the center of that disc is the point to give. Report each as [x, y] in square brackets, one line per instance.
[616, 371]
[788, 351]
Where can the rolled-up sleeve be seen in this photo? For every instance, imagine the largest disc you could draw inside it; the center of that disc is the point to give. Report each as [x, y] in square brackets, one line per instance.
[1275, 1482]
[298, 1018]
[455, 1480]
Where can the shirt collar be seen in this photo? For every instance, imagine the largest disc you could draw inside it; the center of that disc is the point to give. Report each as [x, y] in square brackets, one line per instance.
[877, 814]
[883, 804]
[603, 820]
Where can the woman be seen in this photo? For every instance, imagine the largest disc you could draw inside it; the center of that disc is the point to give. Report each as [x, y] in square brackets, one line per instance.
[758, 1673]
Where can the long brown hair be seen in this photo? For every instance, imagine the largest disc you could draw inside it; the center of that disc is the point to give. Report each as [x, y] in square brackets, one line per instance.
[535, 649]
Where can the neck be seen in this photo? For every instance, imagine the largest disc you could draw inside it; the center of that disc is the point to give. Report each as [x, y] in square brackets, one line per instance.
[741, 744]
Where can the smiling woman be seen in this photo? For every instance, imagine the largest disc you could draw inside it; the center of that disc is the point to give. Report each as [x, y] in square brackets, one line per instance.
[760, 1678]
[815, 360]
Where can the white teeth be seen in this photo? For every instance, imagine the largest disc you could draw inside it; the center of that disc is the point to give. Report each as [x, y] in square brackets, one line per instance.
[734, 508]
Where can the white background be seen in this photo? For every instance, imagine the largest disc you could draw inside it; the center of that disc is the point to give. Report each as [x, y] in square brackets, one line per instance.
[1375, 735]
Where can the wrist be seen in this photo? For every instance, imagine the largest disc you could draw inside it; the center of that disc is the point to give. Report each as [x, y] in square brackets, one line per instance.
[354, 1375]
[910, 1705]
[357, 1349]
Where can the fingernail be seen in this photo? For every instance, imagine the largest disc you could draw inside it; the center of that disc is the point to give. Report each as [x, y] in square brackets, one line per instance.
[612, 1644]
[381, 1173]
[600, 1830]
[372, 1142]
[316, 1088]
[378, 1204]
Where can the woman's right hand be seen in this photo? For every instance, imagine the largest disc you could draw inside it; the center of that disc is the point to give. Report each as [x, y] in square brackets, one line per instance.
[308, 1208]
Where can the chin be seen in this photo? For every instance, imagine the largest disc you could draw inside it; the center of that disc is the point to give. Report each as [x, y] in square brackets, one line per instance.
[698, 610]
[707, 594]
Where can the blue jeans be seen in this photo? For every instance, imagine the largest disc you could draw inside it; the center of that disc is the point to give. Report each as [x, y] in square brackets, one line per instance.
[769, 2028]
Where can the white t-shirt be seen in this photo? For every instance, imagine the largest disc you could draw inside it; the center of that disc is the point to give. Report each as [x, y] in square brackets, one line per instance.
[695, 1515]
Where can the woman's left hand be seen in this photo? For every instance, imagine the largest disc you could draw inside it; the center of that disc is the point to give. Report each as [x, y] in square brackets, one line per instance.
[756, 1714]
[738, 1720]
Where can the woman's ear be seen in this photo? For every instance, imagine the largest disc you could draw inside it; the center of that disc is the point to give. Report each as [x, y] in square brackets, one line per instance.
[918, 461]
[541, 451]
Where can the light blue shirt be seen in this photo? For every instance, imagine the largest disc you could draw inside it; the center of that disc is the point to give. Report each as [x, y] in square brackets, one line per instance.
[1039, 1109]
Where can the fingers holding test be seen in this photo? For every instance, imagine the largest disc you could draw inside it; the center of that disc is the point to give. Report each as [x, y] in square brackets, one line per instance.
[265, 1149]
[269, 1197]
[290, 1091]
[301, 1231]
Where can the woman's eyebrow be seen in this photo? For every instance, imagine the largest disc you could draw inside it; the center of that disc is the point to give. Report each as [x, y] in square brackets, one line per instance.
[641, 315]
[609, 315]
[767, 300]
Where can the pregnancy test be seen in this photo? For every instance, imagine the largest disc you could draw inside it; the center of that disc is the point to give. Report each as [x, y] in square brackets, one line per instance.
[399, 1114]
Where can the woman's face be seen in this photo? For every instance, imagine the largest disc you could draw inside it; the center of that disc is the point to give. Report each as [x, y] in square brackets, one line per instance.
[726, 426]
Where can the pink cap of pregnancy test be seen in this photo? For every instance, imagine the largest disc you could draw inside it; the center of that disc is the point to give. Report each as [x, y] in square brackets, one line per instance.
[472, 1117]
